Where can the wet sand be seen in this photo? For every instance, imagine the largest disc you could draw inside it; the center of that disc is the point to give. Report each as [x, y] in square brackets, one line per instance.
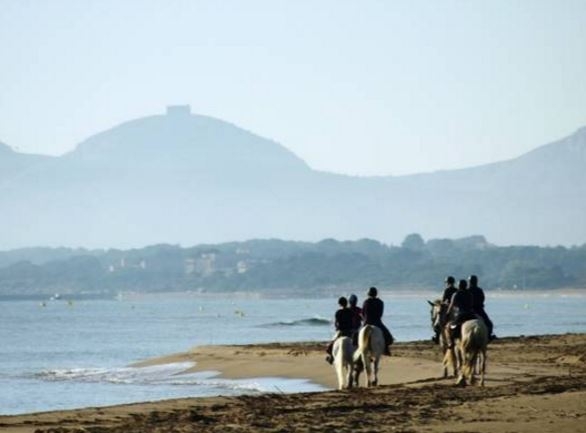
[533, 384]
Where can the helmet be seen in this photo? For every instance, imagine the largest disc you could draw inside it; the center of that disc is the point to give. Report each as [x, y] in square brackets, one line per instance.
[372, 291]
[353, 299]
[342, 301]
[473, 280]
[450, 280]
[463, 284]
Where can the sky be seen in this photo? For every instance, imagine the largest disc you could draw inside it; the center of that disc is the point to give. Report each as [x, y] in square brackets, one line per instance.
[355, 87]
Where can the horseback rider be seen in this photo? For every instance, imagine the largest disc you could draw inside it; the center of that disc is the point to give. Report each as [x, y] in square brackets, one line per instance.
[478, 304]
[449, 290]
[356, 317]
[446, 298]
[344, 325]
[460, 309]
[372, 311]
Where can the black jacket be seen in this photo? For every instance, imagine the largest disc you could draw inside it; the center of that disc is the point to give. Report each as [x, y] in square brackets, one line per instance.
[372, 311]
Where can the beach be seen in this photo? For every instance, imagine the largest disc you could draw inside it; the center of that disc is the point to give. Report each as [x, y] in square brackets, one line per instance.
[533, 383]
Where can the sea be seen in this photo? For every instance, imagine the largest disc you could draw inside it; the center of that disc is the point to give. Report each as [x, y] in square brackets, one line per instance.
[64, 354]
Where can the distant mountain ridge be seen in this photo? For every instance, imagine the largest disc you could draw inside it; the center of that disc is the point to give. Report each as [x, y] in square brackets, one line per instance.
[191, 179]
[13, 163]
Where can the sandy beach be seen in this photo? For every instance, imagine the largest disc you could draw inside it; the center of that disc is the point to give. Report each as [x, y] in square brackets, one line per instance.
[533, 384]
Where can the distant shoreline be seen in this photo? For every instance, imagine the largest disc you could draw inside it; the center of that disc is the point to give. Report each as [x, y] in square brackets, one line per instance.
[133, 296]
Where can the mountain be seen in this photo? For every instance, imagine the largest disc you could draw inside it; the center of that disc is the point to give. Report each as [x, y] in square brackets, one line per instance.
[191, 179]
[13, 164]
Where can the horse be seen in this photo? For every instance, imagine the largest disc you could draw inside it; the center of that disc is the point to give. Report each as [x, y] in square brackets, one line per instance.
[343, 352]
[472, 348]
[371, 346]
[440, 327]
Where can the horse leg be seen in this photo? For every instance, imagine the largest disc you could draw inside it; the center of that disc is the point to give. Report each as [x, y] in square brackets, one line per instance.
[473, 358]
[339, 365]
[349, 371]
[376, 362]
[450, 352]
[447, 361]
[357, 377]
[367, 368]
[461, 376]
[482, 366]
[459, 355]
[450, 359]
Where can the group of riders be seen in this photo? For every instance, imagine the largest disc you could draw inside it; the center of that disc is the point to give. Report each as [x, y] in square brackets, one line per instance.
[350, 318]
[466, 302]
[459, 304]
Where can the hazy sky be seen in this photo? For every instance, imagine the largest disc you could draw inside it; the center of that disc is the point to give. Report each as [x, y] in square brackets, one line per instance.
[358, 87]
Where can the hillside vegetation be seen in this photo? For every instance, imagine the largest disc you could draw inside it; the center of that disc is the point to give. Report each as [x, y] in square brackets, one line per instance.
[285, 267]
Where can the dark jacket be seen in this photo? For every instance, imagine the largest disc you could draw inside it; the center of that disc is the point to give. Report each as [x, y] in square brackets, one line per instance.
[372, 311]
[477, 299]
[462, 306]
[478, 306]
[356, 317]
[345, 321]
[448, 293]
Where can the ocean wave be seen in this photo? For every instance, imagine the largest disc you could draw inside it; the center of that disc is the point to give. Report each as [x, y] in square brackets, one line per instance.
[134, 375]
[204, 382]
[313, 321]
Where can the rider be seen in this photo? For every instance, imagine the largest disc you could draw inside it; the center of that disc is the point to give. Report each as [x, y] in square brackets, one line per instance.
[449, 290]
[446, 298]
[461, 309]
[343, 323]
[356, 317]
[478, 304]
[372, 311]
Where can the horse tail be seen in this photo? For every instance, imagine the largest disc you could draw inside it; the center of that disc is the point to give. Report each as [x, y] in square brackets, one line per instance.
[363, 342]
[474, 340]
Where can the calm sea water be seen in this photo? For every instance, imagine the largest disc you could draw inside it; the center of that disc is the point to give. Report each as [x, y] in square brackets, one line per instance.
[69, 355]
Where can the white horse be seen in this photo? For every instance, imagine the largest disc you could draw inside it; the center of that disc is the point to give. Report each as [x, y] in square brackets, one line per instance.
[472, 349]
[371, 346]
[343, 352]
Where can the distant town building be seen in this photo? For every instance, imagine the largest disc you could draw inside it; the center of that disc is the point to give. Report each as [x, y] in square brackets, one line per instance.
[241, 267]
[189, 266]
[206, 264]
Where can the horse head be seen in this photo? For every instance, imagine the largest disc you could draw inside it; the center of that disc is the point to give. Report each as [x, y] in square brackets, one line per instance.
[437, 315]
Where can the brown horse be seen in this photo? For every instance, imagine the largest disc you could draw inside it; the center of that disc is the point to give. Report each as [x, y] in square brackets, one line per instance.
[439, 324]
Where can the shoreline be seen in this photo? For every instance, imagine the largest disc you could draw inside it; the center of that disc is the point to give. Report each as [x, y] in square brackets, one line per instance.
[194, 294]
[547, 373]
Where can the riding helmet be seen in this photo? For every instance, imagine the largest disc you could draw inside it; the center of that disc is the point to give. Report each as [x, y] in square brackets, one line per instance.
[353, 299]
